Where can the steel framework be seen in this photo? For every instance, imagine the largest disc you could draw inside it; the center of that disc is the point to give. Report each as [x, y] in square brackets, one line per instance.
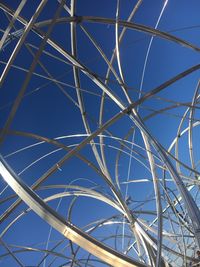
[79, 147]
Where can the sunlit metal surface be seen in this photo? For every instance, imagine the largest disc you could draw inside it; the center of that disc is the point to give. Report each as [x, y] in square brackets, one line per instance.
[109, 163]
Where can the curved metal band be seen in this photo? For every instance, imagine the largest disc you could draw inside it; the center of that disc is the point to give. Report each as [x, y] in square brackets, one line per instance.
[68, 230]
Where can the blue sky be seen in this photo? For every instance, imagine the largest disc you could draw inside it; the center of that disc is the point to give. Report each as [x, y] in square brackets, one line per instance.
[50, 110]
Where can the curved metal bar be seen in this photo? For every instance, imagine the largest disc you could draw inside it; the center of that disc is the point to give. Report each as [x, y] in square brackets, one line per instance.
[33, 65]
[127, 24]
[10, 253]
[22, 38]
[191, 123]
[6, 32]
[79, 93]
[68, 230]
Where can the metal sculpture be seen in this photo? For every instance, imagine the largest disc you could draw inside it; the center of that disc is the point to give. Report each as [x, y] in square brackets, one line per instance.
[76, 132]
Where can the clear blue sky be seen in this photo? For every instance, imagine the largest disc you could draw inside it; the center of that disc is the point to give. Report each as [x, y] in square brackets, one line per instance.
[45, 110]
